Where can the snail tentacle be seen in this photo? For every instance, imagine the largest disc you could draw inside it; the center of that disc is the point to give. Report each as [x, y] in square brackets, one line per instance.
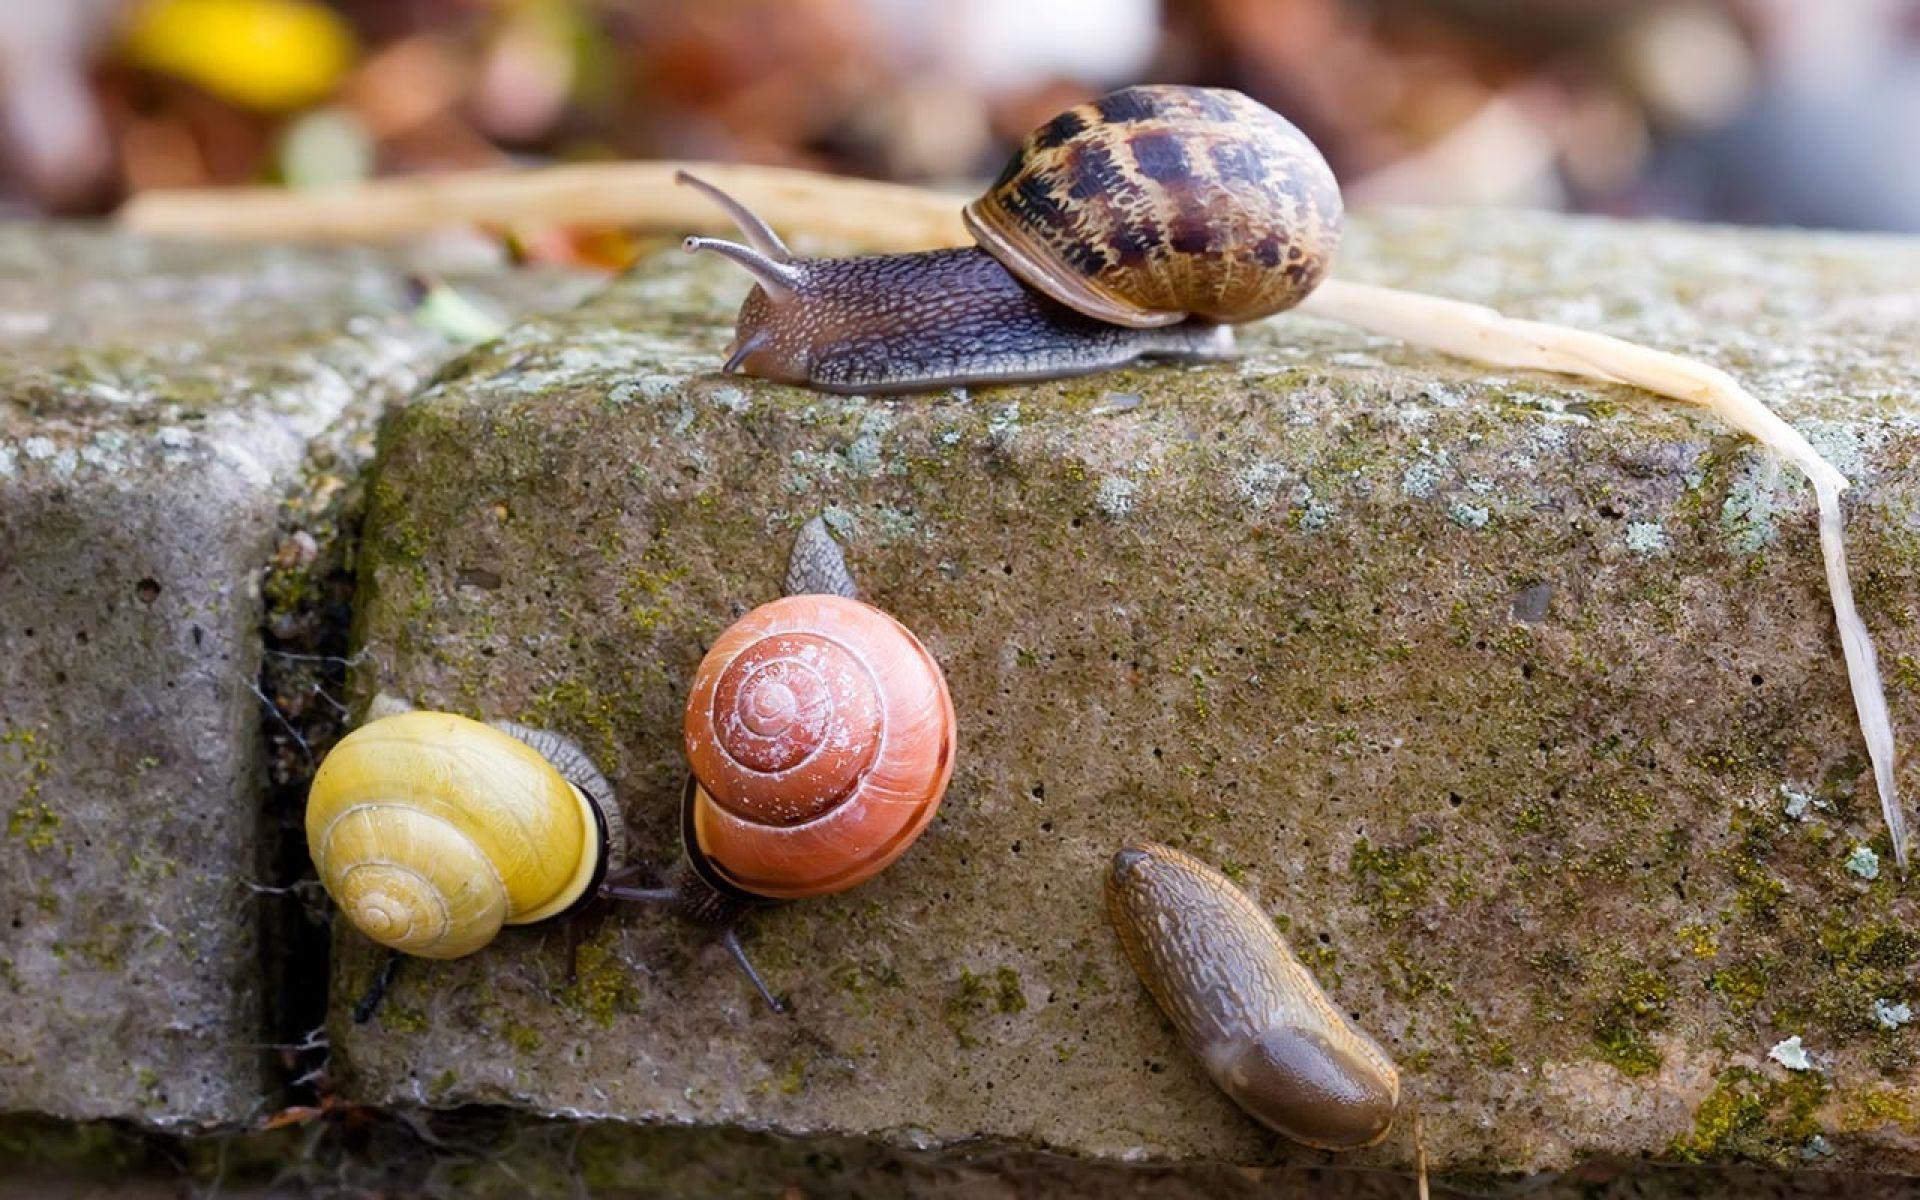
[377, 988]
[654, 895]
[622, 876]
[745, 349]
[780, 280]
[730, 938]
[758, 233]
[694, 899]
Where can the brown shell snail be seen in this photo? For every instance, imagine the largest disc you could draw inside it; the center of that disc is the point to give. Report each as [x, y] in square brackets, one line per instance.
[820, 737]
[1139, 225]
[1244, 1005]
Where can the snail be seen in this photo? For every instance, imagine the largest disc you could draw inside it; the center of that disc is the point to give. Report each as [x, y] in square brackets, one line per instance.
[820, 737]
[819, 734]
[1140, 225]
[431, 830]
[1244, 1005]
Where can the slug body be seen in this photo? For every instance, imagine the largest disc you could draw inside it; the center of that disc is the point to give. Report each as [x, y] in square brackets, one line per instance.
[1139, 225]
[1245, 1005]
[431, 831]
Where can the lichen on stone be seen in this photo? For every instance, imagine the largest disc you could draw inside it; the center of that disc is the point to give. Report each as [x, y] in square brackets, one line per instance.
[1624, 1028]
[1862, 861]
[1791, 1054]
[1752, 1117]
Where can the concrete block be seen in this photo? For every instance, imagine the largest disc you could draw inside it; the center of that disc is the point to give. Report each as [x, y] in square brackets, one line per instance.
[1517, 702]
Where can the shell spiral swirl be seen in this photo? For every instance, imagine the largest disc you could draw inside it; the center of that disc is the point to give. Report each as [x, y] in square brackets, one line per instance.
[1156, 203]
[430, 831]
[820, 734]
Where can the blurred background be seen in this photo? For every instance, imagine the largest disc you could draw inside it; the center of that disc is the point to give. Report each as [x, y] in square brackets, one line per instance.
[1772, 111]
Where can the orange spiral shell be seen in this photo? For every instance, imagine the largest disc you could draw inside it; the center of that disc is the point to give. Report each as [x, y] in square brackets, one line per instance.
[821, 737]
[1156, 203]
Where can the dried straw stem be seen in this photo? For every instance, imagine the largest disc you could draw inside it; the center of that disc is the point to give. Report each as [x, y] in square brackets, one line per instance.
[639, 195]
[1480, 334]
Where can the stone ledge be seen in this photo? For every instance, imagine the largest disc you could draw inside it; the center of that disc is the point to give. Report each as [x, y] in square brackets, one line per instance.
[157, 408]
[1496, 689]
[484, 1154]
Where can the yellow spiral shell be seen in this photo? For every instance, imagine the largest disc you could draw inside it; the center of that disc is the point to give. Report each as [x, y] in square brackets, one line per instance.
[430, 831]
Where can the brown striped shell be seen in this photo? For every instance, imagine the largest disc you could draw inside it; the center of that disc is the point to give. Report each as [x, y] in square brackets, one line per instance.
[1157, 203]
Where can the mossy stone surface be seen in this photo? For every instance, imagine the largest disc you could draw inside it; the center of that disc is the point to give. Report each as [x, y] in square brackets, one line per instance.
[160, 406]
[1517, 701]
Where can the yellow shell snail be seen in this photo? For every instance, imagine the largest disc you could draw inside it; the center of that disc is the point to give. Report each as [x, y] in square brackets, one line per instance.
[431, 830]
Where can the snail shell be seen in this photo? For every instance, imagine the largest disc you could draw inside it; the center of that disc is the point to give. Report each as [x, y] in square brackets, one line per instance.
[1156, 203]
[1244, 1005]
[430, 830]
[821, 738]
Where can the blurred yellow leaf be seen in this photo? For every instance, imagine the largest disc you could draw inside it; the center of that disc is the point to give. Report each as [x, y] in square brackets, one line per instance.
[265, 54]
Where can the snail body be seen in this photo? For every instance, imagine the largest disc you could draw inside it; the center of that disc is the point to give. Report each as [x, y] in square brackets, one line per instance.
[1244, 1005]
[431, 831]
[1136, 226]
[935, 319]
